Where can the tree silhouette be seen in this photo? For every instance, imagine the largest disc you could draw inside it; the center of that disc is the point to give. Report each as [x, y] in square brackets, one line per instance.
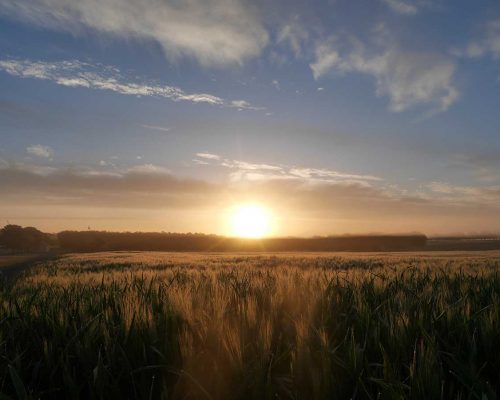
[17, 238]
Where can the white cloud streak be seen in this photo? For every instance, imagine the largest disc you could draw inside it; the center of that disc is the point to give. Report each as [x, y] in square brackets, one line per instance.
[408, 78]
[41, 151]
[244, 105]
[156, 128]
[208, 156]
[214, 32]
[316, 173]
[248, 171]
[101, 77]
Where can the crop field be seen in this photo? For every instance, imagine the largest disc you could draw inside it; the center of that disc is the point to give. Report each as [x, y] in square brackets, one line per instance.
[137, 325]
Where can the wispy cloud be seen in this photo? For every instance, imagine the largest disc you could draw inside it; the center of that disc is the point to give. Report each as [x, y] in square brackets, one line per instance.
[209, 156]
[41, 151]
[214, 32]
[102, 77]
[406, 7]
[488, 44]
[464, 194]
[245, 105]
[148, 169]
[157, 128]
[244, 170]
[294, 34]
[250, 166]
[339, 205]
[412, 7]
[408, 78]
[331, 174]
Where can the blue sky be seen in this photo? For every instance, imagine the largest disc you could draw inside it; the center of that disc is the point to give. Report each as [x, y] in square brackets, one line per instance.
[377, 115]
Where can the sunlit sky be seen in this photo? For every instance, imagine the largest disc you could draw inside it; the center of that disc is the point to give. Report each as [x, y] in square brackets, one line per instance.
[338, 116]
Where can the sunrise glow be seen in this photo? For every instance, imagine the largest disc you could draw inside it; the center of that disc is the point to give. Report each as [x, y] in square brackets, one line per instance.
[250, 221]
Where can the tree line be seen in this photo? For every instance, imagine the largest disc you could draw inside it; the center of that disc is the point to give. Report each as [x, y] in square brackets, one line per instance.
[112, 241]
[29, 239]
[25, 240]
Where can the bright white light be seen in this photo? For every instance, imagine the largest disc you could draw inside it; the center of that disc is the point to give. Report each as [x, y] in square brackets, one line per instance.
[251, 221]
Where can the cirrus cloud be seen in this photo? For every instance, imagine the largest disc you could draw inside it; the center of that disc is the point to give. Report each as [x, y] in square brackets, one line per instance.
[75, 74]
[214, 32]
[251, 171]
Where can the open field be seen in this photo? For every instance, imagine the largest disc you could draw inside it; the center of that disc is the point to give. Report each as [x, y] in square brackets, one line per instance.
[254, 326]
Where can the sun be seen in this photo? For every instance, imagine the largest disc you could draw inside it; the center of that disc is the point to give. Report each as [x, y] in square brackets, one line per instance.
[251, 221]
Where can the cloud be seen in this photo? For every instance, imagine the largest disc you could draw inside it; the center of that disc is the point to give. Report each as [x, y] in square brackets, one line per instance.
[250, 166]
[294, 35]
[148, 169]
[208, 156]
[406, 7]
[326, 207]
[327, 58]
[465, 194]
[408, 78]
[146, 177]
[39, 150]
[157, 128]
[446, 188]
[214, 32]
[251, 171]
[200, 162]
[101, 77]
[326, 173]
[411, 7]
[489, 44]
[244, 105]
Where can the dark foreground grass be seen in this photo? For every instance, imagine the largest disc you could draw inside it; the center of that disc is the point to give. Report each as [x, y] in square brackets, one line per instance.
[252, 328]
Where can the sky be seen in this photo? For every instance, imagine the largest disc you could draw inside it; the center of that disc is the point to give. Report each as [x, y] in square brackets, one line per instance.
[337, 116]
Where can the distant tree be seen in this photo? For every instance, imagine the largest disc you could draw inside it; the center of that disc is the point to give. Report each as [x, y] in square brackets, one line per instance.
[34, 238]
[12, 237]
[18, 238]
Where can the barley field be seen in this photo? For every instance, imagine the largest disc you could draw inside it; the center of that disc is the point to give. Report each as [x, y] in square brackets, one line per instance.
[145, 325]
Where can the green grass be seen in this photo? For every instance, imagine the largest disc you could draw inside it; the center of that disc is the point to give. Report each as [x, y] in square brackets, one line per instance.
[152, 325]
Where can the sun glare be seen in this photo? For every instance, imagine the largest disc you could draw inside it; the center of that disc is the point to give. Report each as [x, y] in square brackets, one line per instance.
[251, 221]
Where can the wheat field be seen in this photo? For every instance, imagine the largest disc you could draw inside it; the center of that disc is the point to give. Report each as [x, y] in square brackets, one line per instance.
[137, 325]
